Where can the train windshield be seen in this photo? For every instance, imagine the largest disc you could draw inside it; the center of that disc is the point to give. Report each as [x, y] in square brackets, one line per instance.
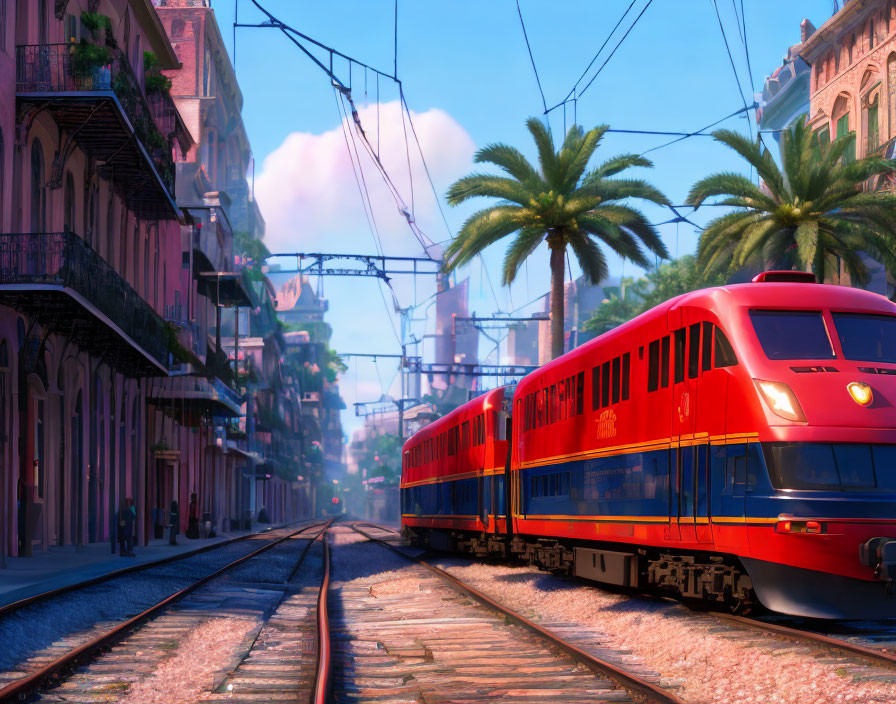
[867, 338]
[792, 334]
[825, 466]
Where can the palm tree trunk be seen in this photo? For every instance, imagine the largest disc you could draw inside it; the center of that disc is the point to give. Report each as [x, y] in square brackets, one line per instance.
[558, 271]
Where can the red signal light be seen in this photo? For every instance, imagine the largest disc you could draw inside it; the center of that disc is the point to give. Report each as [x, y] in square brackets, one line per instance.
[335, 499]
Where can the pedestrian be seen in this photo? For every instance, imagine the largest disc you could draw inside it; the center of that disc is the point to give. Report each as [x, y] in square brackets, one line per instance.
[193, 516]
[124, 529]
[173, 523]
[131, 515]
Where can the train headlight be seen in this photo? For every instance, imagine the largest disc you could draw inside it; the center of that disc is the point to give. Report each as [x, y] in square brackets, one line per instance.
[860, 392]
[781, 400]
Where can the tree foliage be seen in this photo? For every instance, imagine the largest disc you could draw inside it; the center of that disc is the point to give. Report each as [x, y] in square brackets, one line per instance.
[811, 213]
[560, 202]
[669, 280]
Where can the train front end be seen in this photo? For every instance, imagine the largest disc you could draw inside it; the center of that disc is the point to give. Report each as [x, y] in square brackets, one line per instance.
[820, 503]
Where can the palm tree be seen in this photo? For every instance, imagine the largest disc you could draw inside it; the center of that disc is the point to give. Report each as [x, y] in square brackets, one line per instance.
[808, 214]
[558, 203]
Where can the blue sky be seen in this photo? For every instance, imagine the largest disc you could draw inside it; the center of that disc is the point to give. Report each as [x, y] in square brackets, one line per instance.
[467, 60]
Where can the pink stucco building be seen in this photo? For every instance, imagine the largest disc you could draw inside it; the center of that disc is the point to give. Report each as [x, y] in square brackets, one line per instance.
[116, 279]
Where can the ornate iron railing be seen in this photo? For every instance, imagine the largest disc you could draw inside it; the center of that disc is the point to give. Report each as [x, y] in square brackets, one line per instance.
[64, 259]
[53, 68]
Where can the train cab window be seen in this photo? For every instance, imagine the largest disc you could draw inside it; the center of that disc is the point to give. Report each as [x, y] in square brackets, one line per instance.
[680, 351]
[694, 351]
[792, 334]
[653, 365]
[595, 388]
[855, 465]
[616, 381]
[867, 338]
[724, 352]
[706, 349]
[605, 384]
[802, 466]
[664, 362]
[885, 467]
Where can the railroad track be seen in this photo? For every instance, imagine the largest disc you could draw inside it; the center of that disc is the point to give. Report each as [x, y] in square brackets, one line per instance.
[876, 655]
[440, 656]
[50, 671]
[862, 644]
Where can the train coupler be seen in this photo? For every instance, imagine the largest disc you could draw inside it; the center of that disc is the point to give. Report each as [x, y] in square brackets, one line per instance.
[880, 554]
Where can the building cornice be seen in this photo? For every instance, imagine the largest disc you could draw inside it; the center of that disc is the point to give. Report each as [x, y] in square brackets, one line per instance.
[156, 35]
[820, 41]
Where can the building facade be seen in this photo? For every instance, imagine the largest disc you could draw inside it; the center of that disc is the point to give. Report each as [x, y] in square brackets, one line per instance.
[118, 279]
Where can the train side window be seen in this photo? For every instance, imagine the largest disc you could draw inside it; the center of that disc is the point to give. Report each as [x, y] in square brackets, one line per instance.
[605, 384]
[724, 352]
[694, 351]
[465, 435]
[706, 350]
[664, 363]
[580, 393]
[617, 371]
[595, 388]
[680, 349]
[482, 429]
[555, 405]
[653, 365]
[626, 373]
[562, 398]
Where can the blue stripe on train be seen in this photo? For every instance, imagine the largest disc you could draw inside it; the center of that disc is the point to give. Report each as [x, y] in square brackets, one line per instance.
[717, 480]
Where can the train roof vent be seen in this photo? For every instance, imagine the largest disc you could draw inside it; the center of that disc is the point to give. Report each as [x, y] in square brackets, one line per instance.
[793, 277]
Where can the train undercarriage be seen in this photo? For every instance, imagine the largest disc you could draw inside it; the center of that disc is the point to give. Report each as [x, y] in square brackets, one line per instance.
[701, 576]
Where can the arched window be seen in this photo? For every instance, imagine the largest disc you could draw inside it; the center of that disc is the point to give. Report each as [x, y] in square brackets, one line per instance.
[870, 34]
[68, 213]
[852, 48]
[38, 217]
[177, 29]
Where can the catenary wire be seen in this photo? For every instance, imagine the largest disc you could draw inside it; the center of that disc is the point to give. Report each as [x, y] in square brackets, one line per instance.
[740, 89]
[531, 57]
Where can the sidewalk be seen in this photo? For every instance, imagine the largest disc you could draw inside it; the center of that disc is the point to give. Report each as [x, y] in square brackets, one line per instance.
[62, 566]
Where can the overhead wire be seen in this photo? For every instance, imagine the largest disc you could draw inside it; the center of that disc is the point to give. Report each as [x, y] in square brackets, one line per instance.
[593, 59]
[544, 102]
[737, 80]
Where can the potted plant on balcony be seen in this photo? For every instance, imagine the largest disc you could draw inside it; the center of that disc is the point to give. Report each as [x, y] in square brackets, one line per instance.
[155, 81]
[91, 57]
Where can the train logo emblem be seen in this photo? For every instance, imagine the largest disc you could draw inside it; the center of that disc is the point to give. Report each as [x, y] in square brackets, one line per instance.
[684, 407]
[606, 424]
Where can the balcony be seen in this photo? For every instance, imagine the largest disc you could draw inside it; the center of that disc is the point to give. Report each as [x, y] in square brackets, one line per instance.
[107, 114]
[59, 280]
[194, 396]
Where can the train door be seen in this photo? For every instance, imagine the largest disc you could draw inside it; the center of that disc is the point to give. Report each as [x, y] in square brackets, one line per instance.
[686, 334]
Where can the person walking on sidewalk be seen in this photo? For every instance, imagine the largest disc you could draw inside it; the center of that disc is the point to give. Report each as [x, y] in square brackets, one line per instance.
[173, 523]
[126, 519]
[131, 515]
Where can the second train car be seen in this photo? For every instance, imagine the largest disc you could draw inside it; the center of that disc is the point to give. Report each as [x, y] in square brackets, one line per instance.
[736, 444]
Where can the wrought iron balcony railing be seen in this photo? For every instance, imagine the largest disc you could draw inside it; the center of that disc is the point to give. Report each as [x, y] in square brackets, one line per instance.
[60, 280]
[52, 70]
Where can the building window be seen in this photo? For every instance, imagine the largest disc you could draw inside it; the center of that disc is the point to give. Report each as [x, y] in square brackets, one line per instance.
[873, 128]
[870, 34]
[37, 187]
[68, 213]
[843, 131]
[852, 48]
[2, 25]
[177, 29]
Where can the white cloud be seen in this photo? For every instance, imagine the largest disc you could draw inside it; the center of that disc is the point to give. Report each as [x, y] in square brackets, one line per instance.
[309, 197]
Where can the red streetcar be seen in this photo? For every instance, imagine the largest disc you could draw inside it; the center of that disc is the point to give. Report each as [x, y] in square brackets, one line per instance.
[734, 444]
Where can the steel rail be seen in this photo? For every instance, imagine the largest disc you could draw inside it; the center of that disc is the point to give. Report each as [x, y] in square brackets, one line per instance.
[626, 680]
[14, 691]
[874, 654]
[321, 689]
[7, 609]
